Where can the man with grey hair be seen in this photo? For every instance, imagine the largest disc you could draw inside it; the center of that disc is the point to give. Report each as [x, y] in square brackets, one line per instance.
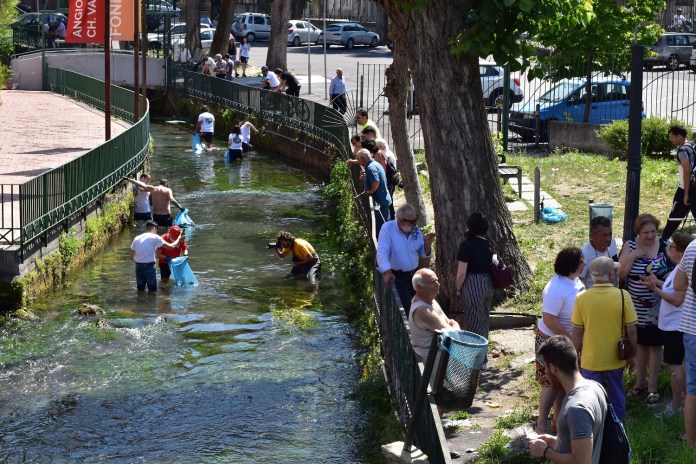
[426, 315]
[376, 187]
[400, 246]
[337, 92]
[600, 316]
[601, 243]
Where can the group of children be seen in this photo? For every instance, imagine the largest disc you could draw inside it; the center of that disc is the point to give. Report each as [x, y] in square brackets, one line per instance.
[238, 141]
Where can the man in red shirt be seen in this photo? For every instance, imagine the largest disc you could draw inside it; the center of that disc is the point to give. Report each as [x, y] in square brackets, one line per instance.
[166, 254]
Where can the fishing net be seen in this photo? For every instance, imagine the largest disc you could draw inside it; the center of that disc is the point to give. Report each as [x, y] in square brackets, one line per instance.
[467, 353]
[181, 272]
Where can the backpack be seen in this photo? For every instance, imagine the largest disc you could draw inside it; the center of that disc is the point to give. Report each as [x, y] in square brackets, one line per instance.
[393, 176]
[688, 147]
[616, 448]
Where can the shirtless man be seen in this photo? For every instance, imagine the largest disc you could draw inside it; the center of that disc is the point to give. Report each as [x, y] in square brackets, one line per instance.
[161, 197]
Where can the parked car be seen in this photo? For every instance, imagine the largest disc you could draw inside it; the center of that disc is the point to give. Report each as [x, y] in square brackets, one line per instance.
[348, 35]
[492, 84]
[692, 61]
[566, 102]
[34, 19]
[23, 8]
[207, 35]
[252, 26]
[671, 50]
[302, 32]
[178, 33]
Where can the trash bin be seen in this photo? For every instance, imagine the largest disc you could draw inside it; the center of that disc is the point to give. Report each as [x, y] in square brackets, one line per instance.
[467, 353]
[602, 209]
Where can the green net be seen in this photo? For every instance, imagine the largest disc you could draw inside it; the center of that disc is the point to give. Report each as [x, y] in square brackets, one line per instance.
[467, 353]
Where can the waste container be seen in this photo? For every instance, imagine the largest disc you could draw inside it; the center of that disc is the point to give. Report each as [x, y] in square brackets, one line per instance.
[602, 209]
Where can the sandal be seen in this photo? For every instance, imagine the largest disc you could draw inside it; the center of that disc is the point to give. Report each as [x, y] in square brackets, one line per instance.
[653, 398]
[636, 392]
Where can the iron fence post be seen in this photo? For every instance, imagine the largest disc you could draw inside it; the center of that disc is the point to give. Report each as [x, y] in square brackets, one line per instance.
[537, 125]
[506, 107]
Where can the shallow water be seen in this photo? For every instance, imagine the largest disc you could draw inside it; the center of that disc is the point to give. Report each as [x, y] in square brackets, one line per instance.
[213, 373]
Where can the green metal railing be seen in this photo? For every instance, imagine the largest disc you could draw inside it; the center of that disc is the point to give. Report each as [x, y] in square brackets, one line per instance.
[328, 125]
[54, 196]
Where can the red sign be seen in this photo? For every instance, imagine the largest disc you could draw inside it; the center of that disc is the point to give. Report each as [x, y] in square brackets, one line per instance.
[121, 19]
[85, 22]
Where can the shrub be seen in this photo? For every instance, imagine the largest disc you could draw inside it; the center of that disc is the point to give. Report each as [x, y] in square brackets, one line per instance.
[654, 140]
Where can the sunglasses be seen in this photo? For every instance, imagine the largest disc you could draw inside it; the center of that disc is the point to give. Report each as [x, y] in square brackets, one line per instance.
[411, 221]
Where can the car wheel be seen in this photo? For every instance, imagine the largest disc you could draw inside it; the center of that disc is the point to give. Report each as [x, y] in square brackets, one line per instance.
[350, 44]
[495, 98]
[296, 41]
[251, 37]
[374, 42]
[673, 63]
[647, 66]
[318, 42]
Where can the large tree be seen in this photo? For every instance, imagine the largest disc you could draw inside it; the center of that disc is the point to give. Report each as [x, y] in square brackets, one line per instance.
[277, 56]
[452, 34]
[224, 25]
[193, 25]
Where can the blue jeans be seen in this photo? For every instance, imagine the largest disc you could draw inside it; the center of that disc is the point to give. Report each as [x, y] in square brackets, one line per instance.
[690, 363]
[145, 274]
[613, 383]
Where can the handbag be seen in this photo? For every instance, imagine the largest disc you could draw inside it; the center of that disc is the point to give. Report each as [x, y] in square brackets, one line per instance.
[623, 348]
[501, 274]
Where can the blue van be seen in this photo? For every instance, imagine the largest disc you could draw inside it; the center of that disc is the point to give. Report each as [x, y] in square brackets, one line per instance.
[566, 102]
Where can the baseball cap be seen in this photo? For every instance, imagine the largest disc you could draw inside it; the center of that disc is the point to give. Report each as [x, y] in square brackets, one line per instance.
[264, 68]
[602, 266]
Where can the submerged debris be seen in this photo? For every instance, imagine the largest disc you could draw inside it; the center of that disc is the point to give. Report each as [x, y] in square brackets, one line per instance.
[87, 309]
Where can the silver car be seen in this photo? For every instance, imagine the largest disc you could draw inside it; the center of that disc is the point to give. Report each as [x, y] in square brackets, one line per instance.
[302, 32]
[671, 50]
[252, 26]
[348, 35]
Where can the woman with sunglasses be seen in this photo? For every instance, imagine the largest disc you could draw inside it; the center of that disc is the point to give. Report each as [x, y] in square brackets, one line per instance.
[474, 281]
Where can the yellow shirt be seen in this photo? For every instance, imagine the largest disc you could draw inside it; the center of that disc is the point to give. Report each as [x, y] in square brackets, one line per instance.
[302, 250]
[598, 311]
[371, 123]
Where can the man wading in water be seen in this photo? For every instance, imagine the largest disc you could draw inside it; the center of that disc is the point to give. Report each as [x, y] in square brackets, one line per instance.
[161, 197]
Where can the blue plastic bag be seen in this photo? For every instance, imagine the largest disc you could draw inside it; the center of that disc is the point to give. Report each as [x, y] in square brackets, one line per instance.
[551, 215]
[183, 219]
[196, 144]
[181, 272]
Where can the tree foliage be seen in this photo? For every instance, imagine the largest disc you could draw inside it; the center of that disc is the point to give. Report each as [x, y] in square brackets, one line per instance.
[8, 15]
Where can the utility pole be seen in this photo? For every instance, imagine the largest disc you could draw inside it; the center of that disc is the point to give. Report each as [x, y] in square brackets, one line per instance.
[107, 70]
[635, 119]
[136, 62]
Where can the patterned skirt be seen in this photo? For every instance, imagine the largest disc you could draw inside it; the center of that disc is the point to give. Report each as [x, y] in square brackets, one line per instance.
[477, 299]
[541, 377]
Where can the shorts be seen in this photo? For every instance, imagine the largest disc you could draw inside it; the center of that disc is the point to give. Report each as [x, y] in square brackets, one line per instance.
[293, 92]
[207, 137]
[244, 59]
[246, 147]
[649, 336]
[143, 216]
[163, 220]
[541, 377]
[674, 347]
[234, 153]
[690, 358]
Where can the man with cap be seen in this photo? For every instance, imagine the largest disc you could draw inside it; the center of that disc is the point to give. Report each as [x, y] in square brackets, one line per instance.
[165, 255]
[270, 80]
[597, 327]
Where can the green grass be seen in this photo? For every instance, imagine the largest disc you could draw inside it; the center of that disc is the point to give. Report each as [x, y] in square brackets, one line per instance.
[516, 418]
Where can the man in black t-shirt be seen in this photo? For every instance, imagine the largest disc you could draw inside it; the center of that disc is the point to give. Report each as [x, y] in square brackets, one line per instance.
[685, 196]
[288, 82]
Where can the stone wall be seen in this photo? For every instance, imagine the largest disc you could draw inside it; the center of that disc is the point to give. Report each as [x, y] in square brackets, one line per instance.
[580, 136]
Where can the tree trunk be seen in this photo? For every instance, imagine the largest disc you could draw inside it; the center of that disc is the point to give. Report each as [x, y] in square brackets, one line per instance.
[458, 147]
[224, 25]
[204, 8]
[396, 91]
[193, 26]
[297, 9]
[382, 25]
[278, 44]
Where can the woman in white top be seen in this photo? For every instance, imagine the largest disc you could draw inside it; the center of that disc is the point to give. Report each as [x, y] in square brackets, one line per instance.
[244, 49]
[235, 144]
[671, 308]
[558, 299]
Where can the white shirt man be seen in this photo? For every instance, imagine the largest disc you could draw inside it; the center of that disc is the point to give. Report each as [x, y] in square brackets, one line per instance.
[601, 243]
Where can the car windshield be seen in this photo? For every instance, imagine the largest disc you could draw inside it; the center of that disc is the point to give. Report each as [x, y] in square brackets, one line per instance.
[333, 28]
[559, 92]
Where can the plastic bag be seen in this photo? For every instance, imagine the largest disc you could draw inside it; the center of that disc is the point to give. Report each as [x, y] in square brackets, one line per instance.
[181, 272]
[183, 219]
[196, 144]
[551, 215]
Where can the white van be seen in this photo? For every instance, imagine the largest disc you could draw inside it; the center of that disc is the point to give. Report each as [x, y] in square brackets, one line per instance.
[252, 26]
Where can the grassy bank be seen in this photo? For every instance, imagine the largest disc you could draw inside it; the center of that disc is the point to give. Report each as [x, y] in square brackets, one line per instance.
[572, 179]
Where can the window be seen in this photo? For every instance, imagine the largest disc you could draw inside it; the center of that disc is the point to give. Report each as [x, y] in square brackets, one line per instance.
[268, 21]
[670, 40]
[361, 29]
[616, 92]
[692, 40]
[487, 71]
[680, 40]
[258, 20]
[300, 26]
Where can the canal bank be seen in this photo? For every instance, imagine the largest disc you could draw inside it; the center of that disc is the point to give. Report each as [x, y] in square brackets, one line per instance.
[247, 367]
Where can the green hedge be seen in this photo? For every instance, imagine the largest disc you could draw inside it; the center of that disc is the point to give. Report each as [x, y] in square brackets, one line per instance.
[654, 139]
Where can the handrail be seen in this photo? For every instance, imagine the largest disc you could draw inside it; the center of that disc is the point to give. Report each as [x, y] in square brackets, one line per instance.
[327, 124]
[55, 195]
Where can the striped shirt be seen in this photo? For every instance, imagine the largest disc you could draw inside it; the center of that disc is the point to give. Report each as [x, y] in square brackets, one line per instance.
[646, 302]
[688, 319]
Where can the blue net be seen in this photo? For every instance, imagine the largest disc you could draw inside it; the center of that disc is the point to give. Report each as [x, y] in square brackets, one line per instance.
[551, 215]
[467, 353]
[181, 272]
[183, 219]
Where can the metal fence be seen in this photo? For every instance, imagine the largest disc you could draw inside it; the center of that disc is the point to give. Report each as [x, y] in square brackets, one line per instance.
[327, 124]
[32, 208]
[666, 94]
